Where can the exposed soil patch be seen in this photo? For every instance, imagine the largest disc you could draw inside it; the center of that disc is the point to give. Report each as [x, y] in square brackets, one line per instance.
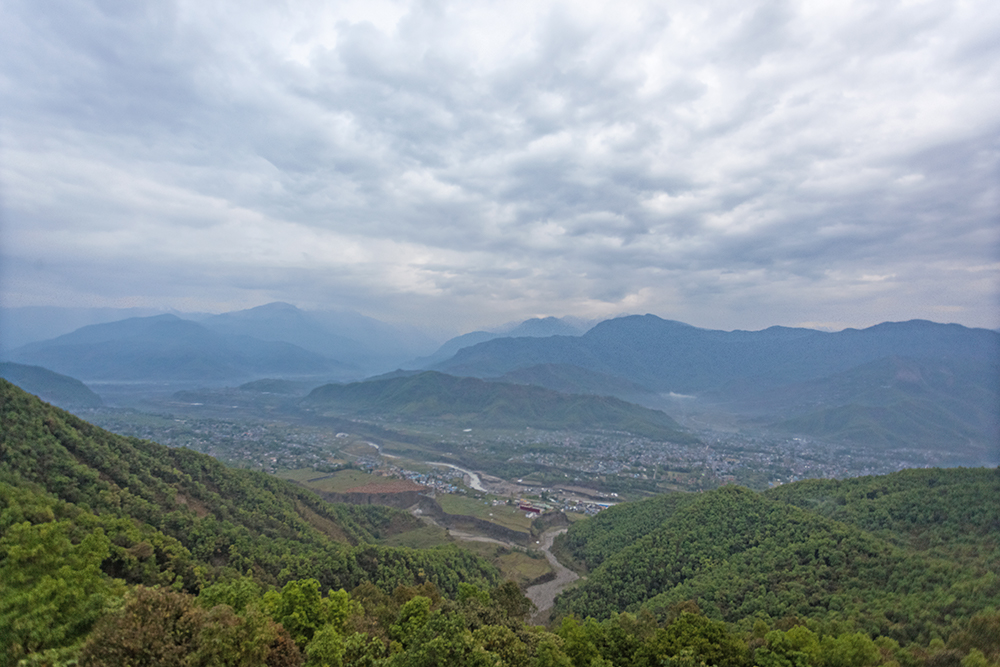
[390, 486]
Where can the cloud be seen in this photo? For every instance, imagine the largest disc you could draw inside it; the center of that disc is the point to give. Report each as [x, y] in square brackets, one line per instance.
[731, 164]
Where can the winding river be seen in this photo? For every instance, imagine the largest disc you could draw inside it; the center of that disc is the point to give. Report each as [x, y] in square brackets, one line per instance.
[475, 482]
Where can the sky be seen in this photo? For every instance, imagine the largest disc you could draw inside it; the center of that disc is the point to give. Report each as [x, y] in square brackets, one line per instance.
[455, 165]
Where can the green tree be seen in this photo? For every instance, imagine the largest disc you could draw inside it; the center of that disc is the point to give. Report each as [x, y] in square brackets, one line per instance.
[302, 610]
[326, 649]
[796, 647]
[53, 590]
[849, 650]
[156, 627]
[694, 637]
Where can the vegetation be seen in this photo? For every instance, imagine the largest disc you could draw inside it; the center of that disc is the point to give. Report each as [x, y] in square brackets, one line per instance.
[910, 556]
[123, 511]
[474, 402]
[117, 551]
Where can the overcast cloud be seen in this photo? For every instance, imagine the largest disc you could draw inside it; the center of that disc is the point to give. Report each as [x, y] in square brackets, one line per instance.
[460, 164]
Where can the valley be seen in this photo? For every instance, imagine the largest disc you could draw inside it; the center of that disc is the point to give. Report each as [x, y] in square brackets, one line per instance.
[743, 486]
[574, 473]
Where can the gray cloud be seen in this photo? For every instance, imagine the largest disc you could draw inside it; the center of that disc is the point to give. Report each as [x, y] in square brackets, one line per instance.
[730, 164]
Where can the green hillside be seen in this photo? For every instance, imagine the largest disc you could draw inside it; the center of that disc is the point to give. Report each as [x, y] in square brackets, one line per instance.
[907, 423]
[474, 402]
[953, 513]
[742, 554]
[210, 520]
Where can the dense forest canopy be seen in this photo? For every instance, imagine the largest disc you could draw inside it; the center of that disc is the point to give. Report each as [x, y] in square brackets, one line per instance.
[908, 555]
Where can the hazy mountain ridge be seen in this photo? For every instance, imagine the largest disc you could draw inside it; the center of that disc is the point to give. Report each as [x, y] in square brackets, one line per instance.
[50, 386]
[475, 402]
[571, 379]
[165, 347]
[895, 401]
[22, 325]
[348, 338]
[914, 383]
[672, 356]
[538, 327]
[841, 386]
[343, 344]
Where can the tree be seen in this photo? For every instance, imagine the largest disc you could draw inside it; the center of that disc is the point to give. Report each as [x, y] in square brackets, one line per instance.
[53, 590]
[156, 627]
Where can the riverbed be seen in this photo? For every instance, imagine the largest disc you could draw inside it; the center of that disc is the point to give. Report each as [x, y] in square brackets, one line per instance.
[544, 595]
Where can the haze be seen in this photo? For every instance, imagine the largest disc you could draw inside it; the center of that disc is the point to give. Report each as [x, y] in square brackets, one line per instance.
[454, 166]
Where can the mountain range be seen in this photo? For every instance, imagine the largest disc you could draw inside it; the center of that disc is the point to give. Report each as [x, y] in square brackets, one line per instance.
[896, 384]
[165, 347]
[670, 356]
[276, 339]
[538, 327]
[913, 383]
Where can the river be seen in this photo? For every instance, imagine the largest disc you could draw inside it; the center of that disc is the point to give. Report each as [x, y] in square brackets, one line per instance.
[475, 482]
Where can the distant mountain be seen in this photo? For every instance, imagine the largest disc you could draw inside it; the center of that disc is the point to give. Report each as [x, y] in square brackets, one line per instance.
[906, 424]
[61, 390]
[474, 402]
[31, 324]
[165, 347]
[914, 383]
[349, 338]
[538, 327]
[671, 356]
[896, 401]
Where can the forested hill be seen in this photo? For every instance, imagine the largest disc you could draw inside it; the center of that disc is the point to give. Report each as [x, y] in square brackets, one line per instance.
[178, 517]
[474, 402]
[907, 555]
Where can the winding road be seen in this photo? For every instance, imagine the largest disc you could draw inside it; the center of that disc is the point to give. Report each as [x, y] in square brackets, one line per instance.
[543, 595]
